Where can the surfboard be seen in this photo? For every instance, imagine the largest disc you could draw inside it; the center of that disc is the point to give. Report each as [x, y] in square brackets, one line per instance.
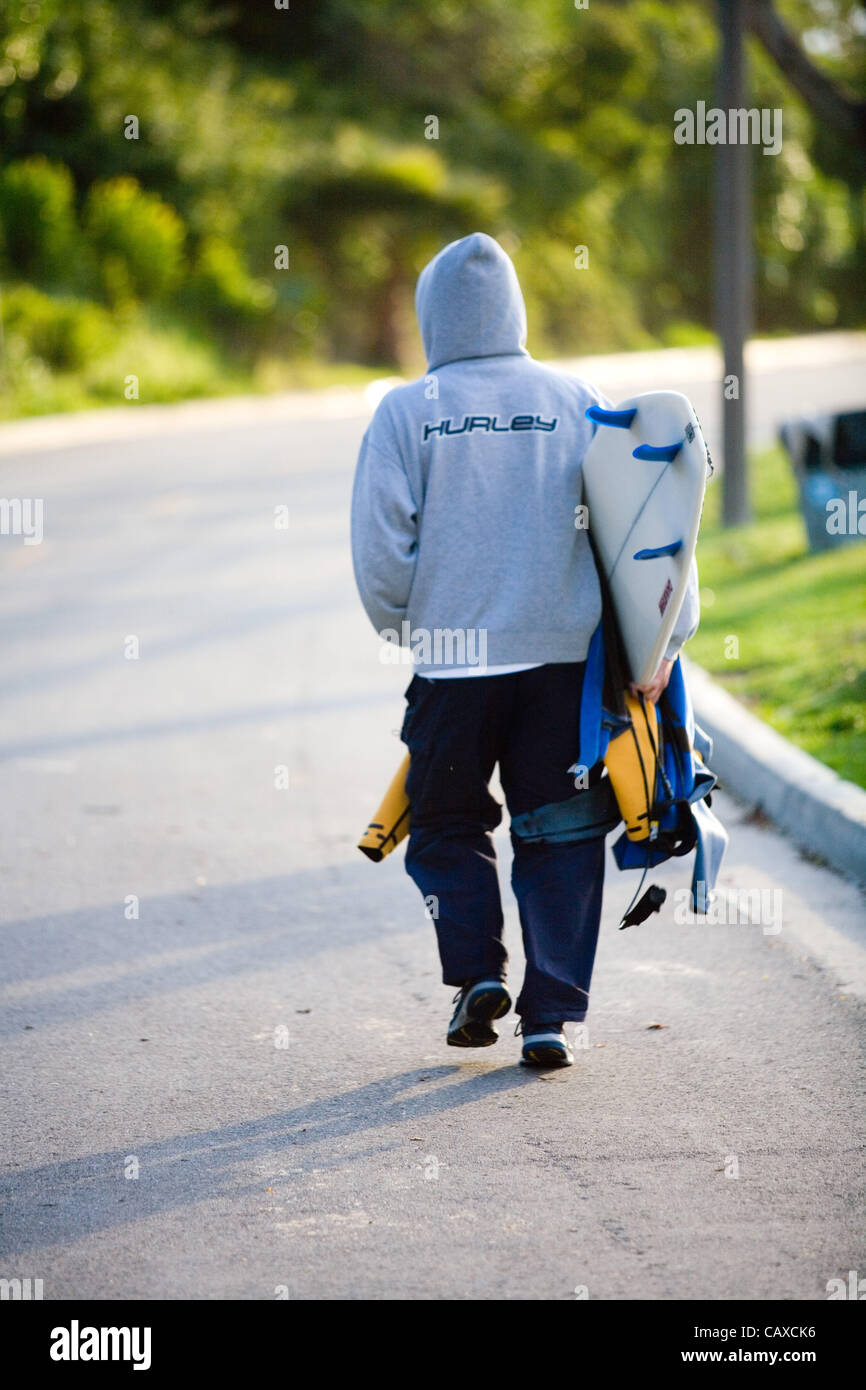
[644, 478]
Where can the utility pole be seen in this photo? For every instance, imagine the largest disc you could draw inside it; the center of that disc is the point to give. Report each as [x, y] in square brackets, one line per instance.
[733, 263]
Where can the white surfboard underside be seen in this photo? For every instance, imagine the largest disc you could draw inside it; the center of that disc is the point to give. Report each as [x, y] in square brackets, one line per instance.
[638, 504]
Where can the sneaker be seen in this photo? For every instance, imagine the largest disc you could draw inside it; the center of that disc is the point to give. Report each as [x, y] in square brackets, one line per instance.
[544, 1045]
[479, 1002]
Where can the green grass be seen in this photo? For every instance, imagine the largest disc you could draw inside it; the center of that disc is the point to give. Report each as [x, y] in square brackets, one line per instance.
[798, 620]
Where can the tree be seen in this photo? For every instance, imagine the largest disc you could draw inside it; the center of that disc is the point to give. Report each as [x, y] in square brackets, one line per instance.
[844, 115]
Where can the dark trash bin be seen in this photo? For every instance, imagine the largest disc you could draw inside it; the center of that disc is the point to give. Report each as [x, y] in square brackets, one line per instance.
[828, 453]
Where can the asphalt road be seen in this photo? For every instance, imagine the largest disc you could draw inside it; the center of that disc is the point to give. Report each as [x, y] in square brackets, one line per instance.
[244, 1091]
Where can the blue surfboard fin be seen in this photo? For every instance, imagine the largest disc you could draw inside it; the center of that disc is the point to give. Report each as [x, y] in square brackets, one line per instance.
[621, 419]
[672, 549]
[664, 453]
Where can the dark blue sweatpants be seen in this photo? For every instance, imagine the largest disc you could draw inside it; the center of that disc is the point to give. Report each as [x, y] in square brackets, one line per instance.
[456, 731]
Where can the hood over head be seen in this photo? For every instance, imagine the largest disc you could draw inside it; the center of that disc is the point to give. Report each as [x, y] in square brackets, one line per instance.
[469, 303]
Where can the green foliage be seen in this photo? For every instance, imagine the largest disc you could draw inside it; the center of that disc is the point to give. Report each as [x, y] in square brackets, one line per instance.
[571, 309]
[37, 217]
[63, 333]
[138, 240]
[221, 286]
[171, 363]
[65, 355]
[363, 134]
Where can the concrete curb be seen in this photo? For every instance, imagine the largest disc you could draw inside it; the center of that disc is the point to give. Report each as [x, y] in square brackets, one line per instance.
[820, 810]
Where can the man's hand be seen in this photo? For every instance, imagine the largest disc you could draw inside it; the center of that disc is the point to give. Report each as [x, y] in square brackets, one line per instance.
[654, 689]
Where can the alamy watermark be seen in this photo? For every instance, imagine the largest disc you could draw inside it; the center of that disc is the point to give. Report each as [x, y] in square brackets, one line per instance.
[854, 1288]
[77, 1343]
[750, 907]
[22, 516]
[438, 646]
[846, 517]
[15, 1290]
[737, 126]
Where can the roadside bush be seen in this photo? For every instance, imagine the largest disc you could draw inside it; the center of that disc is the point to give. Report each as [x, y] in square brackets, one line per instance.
[221, 287]
[64, 333]
[138, 240]
[37, 214]
[172, 363]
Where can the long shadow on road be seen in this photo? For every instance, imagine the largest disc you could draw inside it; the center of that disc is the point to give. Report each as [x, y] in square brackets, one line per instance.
[48, 744]
[62, 1202]
[76, 965]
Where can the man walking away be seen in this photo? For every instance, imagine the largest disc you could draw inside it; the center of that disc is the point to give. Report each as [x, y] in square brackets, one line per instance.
[464, 524]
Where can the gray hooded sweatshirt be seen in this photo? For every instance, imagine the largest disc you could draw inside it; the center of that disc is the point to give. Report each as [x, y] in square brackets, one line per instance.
[464, 541]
